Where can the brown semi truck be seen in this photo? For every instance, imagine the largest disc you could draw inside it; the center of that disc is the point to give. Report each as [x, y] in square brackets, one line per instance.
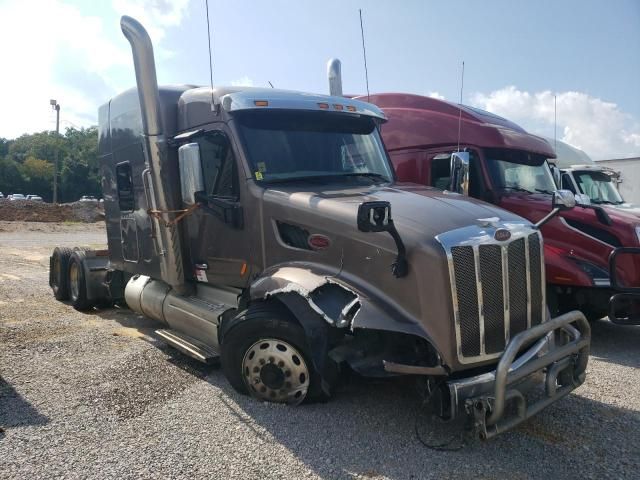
[265, 228]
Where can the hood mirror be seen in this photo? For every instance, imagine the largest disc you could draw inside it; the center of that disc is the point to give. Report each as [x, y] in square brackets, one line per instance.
[460, 173]
[376, 217]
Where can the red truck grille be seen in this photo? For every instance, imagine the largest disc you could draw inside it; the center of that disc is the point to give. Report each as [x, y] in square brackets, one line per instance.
[498, 290]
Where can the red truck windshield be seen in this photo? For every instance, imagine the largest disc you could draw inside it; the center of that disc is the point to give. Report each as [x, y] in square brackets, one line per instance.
[509, 172]
[288, 145]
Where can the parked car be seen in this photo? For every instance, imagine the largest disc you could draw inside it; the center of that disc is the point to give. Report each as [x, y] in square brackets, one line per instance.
[88, 198]
[1, 195]
[17, 196]
[34, 198]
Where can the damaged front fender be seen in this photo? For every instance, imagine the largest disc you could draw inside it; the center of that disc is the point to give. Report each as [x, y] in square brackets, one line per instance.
[335, 303]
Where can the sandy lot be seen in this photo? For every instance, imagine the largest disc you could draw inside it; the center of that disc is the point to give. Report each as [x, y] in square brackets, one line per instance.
[98, 396]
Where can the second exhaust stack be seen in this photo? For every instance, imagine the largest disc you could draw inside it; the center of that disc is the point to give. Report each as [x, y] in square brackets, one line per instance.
[334, 72]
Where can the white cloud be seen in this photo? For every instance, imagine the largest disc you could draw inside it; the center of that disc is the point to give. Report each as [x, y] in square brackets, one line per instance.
[437, 95]
[155, 15]
[242, 82]
[591, 124]
[51, 49]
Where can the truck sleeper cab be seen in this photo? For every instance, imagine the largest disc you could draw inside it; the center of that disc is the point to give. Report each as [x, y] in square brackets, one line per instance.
[266, 228]
[508, 168]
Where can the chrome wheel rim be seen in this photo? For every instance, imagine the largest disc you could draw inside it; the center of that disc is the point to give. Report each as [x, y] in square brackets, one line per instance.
[275, 371]
[74, 280]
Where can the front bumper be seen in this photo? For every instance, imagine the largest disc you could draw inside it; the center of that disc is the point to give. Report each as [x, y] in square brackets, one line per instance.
[556, 360]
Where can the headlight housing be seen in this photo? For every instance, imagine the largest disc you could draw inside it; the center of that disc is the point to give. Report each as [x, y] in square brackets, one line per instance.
[599, 276]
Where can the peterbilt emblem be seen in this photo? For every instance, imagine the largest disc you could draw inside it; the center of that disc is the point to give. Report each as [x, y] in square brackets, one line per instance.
[502, 235]
[318, 241]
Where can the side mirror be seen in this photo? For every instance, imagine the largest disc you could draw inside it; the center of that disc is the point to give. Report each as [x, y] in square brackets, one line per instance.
[191, 178]
[583, 199]
[563, 200]
[460, 173]
[374, 217]
[555, 171]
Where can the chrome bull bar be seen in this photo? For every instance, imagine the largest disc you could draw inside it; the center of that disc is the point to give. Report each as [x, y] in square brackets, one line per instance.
[561, 369]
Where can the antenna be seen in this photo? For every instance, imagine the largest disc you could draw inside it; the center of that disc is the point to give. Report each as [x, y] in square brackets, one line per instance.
[210, 61]
[555, 123]
[271, 84]
[460, 107]
[364, 54]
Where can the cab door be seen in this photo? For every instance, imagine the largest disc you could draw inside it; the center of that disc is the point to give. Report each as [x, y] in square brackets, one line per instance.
[219, 244]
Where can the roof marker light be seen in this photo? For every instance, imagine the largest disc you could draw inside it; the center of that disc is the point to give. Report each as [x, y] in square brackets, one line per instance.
[351, 108]
[337, 106]
[323, 106]
[261, 103]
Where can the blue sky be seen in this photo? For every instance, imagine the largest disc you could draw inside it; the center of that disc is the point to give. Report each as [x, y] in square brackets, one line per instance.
[517, 56]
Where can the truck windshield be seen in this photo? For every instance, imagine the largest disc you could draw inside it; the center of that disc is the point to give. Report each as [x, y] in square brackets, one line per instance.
[598, 186]
[293, 145]
[520, 172]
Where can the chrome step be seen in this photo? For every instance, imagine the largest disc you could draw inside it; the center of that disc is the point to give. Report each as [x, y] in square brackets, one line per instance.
[189, 346]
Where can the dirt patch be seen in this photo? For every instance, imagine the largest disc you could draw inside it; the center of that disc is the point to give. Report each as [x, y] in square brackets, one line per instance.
[28, 211]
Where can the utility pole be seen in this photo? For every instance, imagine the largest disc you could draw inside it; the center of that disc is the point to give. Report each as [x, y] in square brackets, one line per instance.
[56, 106]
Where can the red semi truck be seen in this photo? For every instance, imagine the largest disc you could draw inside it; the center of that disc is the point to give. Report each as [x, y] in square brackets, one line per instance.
[508, 167]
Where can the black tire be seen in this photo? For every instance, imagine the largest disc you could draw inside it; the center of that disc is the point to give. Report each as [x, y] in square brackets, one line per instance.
[265, 321]
[78, 283]
[593, 314]
[58, 272]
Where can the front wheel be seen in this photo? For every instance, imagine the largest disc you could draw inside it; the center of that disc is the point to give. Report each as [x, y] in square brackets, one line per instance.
[265, 355]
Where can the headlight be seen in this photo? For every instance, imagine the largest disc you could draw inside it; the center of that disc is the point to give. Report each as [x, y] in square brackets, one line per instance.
[599, 275]
[638, 233]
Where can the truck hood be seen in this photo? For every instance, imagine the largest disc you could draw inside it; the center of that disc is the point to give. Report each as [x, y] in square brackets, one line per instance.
[417, 210]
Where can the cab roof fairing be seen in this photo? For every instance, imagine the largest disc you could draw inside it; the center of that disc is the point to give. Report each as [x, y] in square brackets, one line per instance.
[244, 98]
[429, 121]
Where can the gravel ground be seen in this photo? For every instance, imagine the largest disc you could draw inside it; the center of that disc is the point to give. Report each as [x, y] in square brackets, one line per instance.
[97, 396]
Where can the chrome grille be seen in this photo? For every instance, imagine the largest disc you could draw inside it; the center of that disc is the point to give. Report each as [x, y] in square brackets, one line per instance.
[497, 286]
[467, 304]
[517, 286]
[493, 297]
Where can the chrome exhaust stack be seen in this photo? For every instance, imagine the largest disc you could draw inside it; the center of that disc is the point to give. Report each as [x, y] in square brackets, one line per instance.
[155, 150]
[334, 73]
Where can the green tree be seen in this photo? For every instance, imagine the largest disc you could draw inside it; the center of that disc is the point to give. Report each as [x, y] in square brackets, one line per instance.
[27, 166]
[37, 176]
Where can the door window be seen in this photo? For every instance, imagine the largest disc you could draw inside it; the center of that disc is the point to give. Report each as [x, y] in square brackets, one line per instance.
[218, 166]
[567, 184]
[124, 183]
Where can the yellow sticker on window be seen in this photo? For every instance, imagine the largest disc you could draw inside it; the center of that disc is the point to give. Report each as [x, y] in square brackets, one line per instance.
[258, 175]
[262, 167]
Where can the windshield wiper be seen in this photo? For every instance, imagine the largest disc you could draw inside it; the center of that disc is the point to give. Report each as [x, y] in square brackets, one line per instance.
[324, 177]
[517, 189]
[378, 176]
[304, 178]
[606, 202]
[542, 190]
